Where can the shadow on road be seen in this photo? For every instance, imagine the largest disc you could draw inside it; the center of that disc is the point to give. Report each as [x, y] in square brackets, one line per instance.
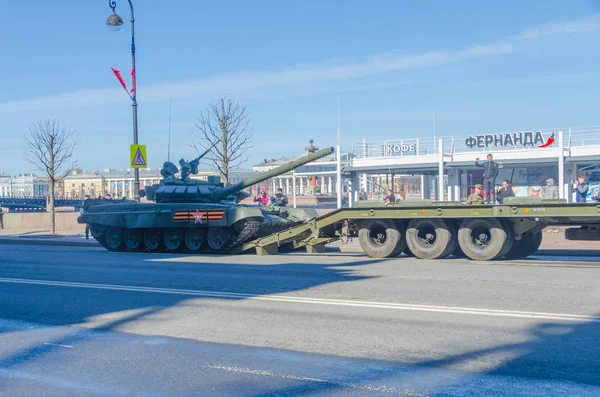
[75, 305]
[555, 351]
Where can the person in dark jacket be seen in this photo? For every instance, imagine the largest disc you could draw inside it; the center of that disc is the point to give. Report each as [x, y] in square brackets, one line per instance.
[389, 197]
[86, 205]
[280, 199]
[490, 173]
[580, 187]
[505, 191]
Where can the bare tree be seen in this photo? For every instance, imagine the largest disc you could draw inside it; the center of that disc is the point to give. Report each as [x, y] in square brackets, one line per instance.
[49, 147]
[224, 126]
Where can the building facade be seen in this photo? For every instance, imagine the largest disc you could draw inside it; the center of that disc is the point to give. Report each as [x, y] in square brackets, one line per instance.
[447, 171]
[120, 183]
[318, 177]
[24, 185]
[5, 186]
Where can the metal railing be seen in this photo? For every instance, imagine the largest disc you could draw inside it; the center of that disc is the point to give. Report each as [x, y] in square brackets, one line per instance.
[572, 137]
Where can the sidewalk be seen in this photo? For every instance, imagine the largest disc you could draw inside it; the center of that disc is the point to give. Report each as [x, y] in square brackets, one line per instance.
[66, 237]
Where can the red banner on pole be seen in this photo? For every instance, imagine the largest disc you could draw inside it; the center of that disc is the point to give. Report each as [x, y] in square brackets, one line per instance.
[132, 81]
[118, 74]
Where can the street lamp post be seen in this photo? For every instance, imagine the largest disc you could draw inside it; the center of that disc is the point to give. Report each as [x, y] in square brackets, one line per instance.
[115, 22]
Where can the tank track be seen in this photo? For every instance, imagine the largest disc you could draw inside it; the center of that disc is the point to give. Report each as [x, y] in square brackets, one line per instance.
[249, 230]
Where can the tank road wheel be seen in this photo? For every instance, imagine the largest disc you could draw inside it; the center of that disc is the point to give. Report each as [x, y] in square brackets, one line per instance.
[133, 239]
[217, 238]
[114, 238]
[382, 238]
[429, 238]
[173, 238]
[194, 238]
[484, 239]
[97, 231]
[153, 239]
[526, 246]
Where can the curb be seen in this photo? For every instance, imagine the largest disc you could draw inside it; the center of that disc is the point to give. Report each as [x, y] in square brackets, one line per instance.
[30, 240]
[541, 252]
[36, 241]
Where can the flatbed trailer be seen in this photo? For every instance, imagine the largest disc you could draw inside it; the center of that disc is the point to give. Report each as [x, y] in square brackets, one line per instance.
[438, 229]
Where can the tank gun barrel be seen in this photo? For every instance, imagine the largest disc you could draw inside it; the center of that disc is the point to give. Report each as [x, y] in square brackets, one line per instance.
[282, 169]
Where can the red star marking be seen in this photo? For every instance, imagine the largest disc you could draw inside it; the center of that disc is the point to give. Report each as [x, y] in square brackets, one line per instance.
[197, 217]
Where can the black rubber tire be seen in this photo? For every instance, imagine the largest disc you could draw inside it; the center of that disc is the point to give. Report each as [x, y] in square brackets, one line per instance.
[133, 236]
[408, 252]
[114, 238]
[458, 252]
[453, 243]
[528, 245]
[382, 238]
[425, 249]
[497, 242]
[153, 239]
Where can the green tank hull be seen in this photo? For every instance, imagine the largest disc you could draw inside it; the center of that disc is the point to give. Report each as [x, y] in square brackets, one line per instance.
[184, 219]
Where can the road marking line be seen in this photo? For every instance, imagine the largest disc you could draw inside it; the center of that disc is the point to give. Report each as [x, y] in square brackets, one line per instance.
[55, 344]
[319, 301]
[368, 387]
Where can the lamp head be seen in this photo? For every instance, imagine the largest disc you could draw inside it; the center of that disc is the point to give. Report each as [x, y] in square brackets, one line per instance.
[114, 22]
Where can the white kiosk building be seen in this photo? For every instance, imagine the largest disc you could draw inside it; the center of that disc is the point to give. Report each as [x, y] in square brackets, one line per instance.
[447, 168]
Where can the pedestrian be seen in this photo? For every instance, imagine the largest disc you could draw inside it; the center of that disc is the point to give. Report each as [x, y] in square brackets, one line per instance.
[1, 219]
[280, 199]
[580, 187]
[475, 198]
[505, 191]
[389, 197]
[262, 198]
[550, 192]
[490, 173]
[86, 205]
[402, 194]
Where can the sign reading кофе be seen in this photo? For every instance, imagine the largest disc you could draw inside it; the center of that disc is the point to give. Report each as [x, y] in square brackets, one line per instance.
[400, 148]
[528, 138]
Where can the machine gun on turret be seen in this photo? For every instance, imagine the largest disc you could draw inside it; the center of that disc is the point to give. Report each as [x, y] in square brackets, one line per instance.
[192, 166]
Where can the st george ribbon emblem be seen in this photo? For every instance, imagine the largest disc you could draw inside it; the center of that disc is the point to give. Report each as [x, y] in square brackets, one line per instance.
[197, 217]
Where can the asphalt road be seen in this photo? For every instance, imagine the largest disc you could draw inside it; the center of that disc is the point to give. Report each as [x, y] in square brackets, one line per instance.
[80, 321]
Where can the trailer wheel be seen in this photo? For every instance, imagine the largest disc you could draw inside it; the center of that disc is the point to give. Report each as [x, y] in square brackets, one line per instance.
[382, 238]
[453, 243]
[484, 239]
[408, 252]
[458, 252]
[429, 238]
[526, 246]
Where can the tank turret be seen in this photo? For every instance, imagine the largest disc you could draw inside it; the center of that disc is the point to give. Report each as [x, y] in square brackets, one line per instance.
[186, 190]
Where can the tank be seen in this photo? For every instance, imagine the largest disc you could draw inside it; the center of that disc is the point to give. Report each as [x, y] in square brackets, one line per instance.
[185, 215]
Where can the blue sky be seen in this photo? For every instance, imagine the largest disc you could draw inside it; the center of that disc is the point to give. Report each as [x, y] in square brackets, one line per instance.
[482, 67]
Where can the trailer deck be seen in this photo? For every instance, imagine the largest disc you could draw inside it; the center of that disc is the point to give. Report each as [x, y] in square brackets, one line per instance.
[437, 229]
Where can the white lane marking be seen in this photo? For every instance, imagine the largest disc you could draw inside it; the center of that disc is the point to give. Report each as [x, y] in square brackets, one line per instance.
[55, 344]
[368, 387]
[317, 301]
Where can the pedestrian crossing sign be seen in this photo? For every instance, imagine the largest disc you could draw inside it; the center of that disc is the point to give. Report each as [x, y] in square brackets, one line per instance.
[138, 156]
